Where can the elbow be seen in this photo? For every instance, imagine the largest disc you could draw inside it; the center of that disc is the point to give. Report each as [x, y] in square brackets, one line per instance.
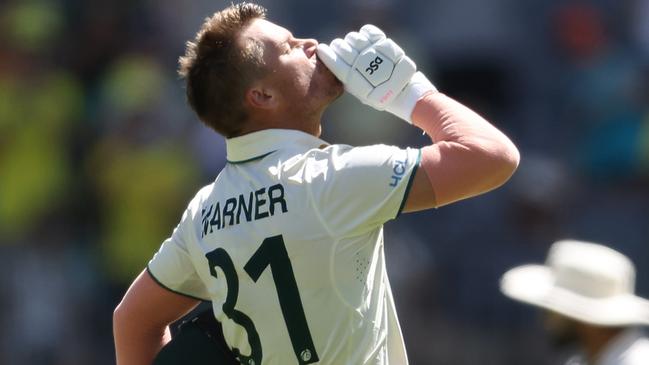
[505, 162]
[511, 159]
[125, 318]
[465, 170]
[120, 315]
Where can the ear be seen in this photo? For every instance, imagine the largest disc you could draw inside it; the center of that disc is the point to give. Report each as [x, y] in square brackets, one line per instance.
[262, 98]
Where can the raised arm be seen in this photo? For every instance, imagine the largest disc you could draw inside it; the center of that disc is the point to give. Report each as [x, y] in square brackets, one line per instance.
[141, 320]
[468, 157]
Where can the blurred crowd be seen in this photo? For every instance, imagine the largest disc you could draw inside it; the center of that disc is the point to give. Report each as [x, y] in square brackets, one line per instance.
[99, 155]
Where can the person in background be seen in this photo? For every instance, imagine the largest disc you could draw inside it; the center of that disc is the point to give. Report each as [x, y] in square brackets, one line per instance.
[587, 293]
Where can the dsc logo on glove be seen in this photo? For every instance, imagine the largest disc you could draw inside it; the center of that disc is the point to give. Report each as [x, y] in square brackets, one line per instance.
[374, 65]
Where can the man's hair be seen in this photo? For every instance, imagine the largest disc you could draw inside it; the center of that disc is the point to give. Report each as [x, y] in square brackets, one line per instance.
[218, 69]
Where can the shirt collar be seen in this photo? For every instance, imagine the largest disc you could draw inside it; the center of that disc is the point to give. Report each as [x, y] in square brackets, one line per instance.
[618, 346]
[260, 144]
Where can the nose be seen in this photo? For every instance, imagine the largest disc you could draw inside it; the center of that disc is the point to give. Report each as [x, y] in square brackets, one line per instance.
[309, 45]
[309, 42]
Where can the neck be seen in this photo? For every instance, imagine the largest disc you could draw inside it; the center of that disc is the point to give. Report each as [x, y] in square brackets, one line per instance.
[306, 123]
[595, 339]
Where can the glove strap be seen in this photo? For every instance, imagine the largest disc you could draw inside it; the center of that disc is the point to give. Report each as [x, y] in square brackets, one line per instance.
[403, 105]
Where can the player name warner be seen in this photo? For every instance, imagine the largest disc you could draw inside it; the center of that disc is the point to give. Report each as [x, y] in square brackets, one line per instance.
[255, 205]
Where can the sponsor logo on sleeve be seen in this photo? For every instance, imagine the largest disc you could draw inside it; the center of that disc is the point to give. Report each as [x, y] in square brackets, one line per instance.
[398, 171]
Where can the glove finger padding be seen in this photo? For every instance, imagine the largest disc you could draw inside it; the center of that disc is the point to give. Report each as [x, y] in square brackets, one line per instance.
[389, 49]
[372, 33]
[344, 51]
[357, 41]
[334, 63]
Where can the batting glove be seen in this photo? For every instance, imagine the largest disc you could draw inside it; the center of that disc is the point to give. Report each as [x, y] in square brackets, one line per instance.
[375, 70]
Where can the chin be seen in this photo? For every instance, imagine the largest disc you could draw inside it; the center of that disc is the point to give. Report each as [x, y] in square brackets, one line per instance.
[334, 89]
[334, 82]
[324, 90]
[328, 83]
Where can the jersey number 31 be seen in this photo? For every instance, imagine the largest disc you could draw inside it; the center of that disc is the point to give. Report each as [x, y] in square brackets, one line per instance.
[272, 252]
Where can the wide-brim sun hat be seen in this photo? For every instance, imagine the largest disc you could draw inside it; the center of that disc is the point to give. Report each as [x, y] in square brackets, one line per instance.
[584, 281]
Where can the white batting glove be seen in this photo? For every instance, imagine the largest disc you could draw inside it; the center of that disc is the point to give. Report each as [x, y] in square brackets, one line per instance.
[375, 70]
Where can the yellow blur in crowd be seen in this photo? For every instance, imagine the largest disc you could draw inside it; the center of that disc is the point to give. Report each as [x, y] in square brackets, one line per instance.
[140, 188]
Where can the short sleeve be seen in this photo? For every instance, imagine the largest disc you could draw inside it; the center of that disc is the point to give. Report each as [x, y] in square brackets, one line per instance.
[172, 266]
[356, 189]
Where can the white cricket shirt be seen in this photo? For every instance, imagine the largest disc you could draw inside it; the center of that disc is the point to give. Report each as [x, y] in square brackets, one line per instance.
[287, 243]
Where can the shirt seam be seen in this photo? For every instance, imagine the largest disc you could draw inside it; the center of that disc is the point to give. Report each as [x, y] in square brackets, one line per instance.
[148, 269]
[250, 159]
[336, 241]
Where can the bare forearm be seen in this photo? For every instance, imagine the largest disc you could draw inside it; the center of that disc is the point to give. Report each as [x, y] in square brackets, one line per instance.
[140, 321]
[469, 156]
[135, 344]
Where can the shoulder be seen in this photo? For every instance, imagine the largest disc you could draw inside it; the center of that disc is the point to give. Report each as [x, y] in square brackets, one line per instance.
[341, 156]
[195, 205]
[344, 149]
[323, 162]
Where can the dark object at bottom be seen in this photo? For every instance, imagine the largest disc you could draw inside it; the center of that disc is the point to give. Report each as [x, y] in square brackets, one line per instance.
[199, 341]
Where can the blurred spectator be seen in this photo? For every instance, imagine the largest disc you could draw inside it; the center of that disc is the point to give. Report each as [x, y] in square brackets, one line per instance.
[587, 293]
[143, 174]
[599, 94]
[639, 10]
[40, 103]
